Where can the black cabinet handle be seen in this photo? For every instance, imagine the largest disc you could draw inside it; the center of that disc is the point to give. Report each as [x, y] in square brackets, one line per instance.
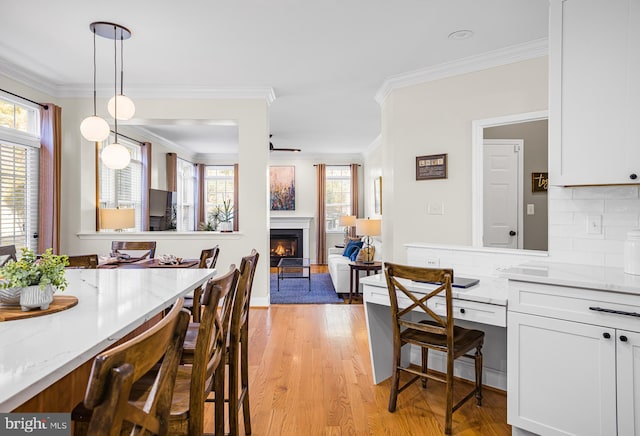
[616, 312]
[623, 338]
[633, 176]
[512, 233]
[606, 335]
[462, 310]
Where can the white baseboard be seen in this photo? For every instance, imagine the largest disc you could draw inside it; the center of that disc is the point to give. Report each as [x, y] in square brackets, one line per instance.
[463, 368]
[260, 301]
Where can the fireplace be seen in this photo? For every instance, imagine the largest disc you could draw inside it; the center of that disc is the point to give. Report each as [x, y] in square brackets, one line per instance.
[285, 243]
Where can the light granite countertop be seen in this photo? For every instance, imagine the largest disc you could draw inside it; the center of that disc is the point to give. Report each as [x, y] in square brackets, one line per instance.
[36, 352]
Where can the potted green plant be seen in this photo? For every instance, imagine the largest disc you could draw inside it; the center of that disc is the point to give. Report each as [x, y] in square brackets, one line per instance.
[34, 278]
[225, 216]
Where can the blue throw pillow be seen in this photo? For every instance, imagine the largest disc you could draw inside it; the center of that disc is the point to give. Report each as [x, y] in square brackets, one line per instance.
[350, 246]
[354, 255]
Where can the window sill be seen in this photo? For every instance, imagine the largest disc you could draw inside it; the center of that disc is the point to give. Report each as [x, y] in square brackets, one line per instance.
[162, 235]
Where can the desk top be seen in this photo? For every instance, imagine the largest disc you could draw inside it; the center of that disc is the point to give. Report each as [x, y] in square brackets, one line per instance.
[490, 290]
[36, 352]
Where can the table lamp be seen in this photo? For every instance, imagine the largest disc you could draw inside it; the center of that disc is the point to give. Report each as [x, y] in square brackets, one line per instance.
[347, 221]
[117, 219]
[368, 228]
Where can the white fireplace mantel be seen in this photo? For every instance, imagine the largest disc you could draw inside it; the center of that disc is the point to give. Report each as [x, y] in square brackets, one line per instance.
[294, 222]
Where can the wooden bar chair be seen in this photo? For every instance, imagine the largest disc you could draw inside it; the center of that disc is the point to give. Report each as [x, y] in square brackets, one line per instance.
[238, 347]
[208, 259]
[143, 249]
[107, 408]
[434, 333]
[7, 253]
[86, 261]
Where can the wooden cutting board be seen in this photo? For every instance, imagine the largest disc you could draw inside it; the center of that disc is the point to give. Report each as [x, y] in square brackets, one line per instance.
[59, 303]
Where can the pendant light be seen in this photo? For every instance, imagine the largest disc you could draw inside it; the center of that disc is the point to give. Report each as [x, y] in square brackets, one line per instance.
[115, 155]
[125, 106]
[94, 128]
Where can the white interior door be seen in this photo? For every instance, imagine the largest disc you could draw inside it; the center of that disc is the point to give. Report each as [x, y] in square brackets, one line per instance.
[502, 193]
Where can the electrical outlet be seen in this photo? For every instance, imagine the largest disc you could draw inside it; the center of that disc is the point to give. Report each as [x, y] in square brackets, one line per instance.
[433, 262]
[435, 208]
[594, 224]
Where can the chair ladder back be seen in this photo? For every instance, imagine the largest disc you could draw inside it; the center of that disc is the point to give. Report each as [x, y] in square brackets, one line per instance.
[116, 370]
[7, 253]
[148, 246]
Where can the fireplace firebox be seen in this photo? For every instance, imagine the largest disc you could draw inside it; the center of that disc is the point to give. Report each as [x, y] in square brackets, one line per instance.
[285, 243]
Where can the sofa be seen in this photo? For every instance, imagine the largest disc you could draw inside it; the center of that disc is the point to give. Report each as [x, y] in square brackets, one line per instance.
[339, 266]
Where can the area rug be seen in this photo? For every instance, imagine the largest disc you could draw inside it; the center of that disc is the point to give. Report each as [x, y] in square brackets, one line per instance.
[296, 291]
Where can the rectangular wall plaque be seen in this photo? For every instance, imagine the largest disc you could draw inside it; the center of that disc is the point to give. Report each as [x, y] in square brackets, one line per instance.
[539, 182]
[431, 167]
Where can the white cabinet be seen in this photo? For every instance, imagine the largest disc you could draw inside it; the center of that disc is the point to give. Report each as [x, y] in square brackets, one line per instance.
[573, 364]
[594, 92]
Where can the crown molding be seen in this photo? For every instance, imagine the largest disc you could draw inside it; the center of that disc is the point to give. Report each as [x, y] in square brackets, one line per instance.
[44, 85]
[494, 58]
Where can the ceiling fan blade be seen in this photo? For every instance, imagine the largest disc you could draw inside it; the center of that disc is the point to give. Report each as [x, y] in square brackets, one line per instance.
[272, 148]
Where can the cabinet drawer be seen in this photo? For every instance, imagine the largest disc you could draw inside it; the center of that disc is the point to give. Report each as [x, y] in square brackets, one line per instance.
[462, 309]
[575, 304]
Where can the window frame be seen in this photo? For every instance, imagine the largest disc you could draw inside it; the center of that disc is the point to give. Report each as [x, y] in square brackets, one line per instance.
[344, 179]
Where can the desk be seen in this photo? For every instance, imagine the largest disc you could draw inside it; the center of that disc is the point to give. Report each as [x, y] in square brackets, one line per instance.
[484, 303]
[37, 352]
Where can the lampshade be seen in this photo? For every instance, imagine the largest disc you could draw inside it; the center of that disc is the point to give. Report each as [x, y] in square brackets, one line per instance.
[117, 219]
[94, 128]
[347, 220]
[115, 156]
[126, 108]
[368, 227]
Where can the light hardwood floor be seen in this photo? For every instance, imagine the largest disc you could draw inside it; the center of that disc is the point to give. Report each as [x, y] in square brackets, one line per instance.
[310, 374]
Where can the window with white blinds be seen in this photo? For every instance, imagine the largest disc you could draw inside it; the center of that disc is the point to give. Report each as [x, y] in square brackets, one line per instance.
[338, 195]
[186, 175]
[123, 188]
[19, 178]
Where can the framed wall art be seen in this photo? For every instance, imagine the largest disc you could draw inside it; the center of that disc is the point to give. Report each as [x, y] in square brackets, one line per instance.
[431, 167]
[377, 195]
[539, 182]
[282, 187]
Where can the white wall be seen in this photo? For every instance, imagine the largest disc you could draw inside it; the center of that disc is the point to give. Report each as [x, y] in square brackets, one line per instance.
[433, 118]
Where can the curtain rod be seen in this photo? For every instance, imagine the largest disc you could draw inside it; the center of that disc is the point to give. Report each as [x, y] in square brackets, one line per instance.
[44, 106]
[130, 139]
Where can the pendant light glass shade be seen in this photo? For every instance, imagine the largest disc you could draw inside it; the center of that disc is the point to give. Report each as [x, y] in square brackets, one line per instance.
[94, 128]
[126, 108]
[115, 156]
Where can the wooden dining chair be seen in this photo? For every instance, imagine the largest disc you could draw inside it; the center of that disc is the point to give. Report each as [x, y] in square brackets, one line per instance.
[434, 333]
[107, 408]
[7, 253]
[208, 259]
[143, 249]
[86, 261]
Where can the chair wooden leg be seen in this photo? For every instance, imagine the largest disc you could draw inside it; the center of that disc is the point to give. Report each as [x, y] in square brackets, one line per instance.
[244, 375]
[425, 365]
[233, 392]
[449, 410]
[395, 379]
[219, 399]
[478, 361]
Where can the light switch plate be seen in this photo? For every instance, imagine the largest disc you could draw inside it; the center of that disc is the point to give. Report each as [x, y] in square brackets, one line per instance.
[435, 208]
[530, 209]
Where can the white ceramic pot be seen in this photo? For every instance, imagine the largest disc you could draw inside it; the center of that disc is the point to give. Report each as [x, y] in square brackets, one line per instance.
[34, 297]
[10, 296]
[226, 226]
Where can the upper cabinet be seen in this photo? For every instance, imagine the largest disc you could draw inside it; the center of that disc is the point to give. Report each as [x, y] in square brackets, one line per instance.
[594, 87]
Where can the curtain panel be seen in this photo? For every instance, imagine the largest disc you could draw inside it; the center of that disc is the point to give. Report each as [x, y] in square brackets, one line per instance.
[354, 196]
[200, 204]
[50, 178]
[172, 172]
[321, 232]
[145, 152]
[236, 197]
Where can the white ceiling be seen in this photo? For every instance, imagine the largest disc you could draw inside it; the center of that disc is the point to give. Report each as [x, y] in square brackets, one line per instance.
[325, 60]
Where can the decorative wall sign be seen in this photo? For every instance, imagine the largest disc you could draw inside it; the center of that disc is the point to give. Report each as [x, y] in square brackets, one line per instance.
[431, 167]
[282, 186]
[377, 195]
[539, 182]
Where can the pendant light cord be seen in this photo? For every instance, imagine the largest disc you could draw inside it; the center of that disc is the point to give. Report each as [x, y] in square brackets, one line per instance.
[121, 63]
[115, 80]
[95, 111]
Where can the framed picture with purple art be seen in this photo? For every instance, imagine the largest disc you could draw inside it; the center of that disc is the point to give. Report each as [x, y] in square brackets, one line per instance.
[282, 187]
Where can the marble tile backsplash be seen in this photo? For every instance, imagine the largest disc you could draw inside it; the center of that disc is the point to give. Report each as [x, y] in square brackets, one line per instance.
[616, 207]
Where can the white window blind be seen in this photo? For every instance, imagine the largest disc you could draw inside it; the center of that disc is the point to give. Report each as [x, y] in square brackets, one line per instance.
[186, 176]
[19, 173]
[123, 188]
[338, 194]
